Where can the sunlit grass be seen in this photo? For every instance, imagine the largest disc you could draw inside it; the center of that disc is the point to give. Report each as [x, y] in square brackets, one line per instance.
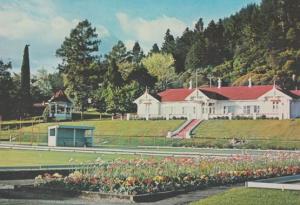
[247, 196]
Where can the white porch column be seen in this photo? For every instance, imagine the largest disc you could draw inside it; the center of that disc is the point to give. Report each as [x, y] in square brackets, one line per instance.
[230, 116]
[254, 116]
[49, 109]
[167, 116]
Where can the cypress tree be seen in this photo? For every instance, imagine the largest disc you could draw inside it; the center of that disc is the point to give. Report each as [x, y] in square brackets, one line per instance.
[169, 44]
[155, 49]
[26, 103]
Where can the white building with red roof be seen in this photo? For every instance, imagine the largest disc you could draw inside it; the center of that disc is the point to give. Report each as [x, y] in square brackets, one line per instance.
[269, 101]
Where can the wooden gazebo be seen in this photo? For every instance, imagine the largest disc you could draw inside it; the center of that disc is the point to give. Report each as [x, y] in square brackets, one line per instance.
[60, 106]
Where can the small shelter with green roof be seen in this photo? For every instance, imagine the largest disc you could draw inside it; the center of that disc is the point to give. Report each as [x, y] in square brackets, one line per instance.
[70, 136]
[60, 106]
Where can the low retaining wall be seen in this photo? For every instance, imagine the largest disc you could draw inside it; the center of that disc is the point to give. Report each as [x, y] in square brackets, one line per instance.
[30, 172]
[283, 183]
[30, 190]
[273, 186]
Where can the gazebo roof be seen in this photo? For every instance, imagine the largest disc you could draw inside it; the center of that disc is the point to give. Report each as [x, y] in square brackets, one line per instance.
[60, 96]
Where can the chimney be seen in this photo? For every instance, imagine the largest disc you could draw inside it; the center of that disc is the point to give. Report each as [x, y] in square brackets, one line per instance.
[219, 83]
[191, 84]
[250, 82]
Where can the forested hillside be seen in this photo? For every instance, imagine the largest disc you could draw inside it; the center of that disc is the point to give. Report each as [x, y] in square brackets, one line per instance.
[261, 41]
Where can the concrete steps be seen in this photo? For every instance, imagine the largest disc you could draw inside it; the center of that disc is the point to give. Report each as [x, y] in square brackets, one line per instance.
[186, 129]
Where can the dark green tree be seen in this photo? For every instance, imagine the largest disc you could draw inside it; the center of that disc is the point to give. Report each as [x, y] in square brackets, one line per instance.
[168, 45]
[199, 26]
[197, 55]
[118, 52]
[26, 102]
[137, 53]
[80, 64]
[183, 45]
[141, 75]
[154, 49]
[114, 76]
[6, 87]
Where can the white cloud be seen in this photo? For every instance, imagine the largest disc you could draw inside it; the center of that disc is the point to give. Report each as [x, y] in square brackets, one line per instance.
[36, 19]
[129, 44]
[38, 23]
[148, 32]
[102, 31]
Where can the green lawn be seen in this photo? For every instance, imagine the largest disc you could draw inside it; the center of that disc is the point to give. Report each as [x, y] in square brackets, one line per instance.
[263, 134]
[118, 127]
[247, 196]
[258, 133]
[107, 132]
[36, 158]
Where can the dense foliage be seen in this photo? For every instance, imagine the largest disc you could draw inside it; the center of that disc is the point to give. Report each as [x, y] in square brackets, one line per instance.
[259, 41]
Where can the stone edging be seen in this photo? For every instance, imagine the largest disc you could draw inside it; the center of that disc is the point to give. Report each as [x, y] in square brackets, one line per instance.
[94, 196]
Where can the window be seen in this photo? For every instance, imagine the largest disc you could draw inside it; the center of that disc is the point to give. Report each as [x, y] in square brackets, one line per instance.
[246, 109]
[230, 109]
[182, 110]
[256, 109]
[194, 110]
[52, 132]
[202, 110]
[275, 105]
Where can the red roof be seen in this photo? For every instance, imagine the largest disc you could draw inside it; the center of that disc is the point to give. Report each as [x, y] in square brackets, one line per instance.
[240, 92]
[295, 92]
[60, 96]
[173, 95]
[223, 93]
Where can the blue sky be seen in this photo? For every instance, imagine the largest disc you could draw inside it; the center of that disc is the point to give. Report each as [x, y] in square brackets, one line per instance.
[44, 23]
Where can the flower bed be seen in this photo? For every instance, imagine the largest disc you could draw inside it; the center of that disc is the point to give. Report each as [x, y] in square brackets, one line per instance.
[141, 176]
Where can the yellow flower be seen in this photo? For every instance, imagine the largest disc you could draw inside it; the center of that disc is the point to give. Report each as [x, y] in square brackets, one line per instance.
[158, 178]
[57, 175]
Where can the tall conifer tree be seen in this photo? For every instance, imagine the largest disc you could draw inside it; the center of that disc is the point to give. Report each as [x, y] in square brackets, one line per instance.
[26, 103]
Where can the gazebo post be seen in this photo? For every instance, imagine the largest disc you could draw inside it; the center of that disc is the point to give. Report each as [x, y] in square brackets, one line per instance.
[55, 109]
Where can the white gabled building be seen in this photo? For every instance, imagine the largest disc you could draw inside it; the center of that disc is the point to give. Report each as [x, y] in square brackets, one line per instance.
[210, 102]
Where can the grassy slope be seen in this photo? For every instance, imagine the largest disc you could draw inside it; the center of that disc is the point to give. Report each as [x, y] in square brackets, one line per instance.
[118, 127]
[107, 132]
[27, 158]
[266, 129]
[267, 133]
[243, 196]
